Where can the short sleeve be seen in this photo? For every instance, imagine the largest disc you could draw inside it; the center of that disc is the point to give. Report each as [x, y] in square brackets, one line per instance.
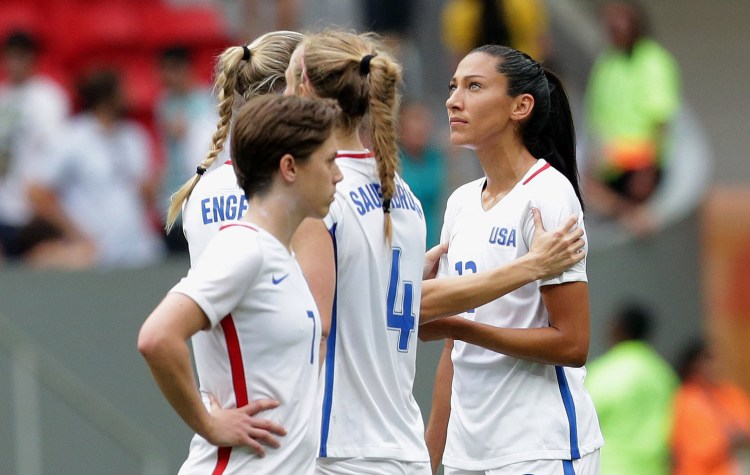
[554, 212]
[60, 163]
[445, 235]
[224, 272]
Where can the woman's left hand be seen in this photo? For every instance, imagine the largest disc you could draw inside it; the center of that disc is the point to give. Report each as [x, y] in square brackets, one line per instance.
[432, 259]
[440, 328]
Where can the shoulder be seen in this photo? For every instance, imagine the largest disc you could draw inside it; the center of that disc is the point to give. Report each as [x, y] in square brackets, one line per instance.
[546, 185]
[133, 129]
[221, 177]
[238, 242]
[465, 191]
[47, 88]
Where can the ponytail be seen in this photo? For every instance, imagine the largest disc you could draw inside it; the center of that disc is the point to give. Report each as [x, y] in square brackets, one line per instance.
[559, 134]
[385, 75]
[356, 71]
[246, 71]
[226, 82]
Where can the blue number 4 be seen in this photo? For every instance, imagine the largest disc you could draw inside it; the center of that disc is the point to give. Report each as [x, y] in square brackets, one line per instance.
[404, 321]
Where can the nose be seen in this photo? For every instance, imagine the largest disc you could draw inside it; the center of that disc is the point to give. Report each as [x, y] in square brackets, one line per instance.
[337, 175]
[453, 102]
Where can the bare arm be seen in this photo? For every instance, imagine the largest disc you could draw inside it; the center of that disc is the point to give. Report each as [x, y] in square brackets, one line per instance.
[46, 204]
[564, 342]
[163, 343]
[550, 254]
[313, 248]
[437, 426]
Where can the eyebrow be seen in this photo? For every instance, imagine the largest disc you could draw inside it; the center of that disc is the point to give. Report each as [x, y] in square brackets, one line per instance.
[470, 76]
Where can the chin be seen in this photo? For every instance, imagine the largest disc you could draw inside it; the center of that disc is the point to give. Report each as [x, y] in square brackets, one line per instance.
[457, 139]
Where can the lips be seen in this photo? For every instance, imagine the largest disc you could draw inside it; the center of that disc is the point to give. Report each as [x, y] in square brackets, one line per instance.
[457, 120]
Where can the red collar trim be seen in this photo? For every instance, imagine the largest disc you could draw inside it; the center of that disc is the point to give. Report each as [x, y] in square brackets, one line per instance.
[356, 155]
[546, 166]
[228, 162]
[242, 225]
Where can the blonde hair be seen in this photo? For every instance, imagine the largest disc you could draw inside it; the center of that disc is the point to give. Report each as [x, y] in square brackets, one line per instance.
[236, 75]
[356, 70]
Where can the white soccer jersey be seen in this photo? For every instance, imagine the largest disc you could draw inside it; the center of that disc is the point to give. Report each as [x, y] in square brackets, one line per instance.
[368, 407]
[263, 342]
[215, 200]
[504, 409]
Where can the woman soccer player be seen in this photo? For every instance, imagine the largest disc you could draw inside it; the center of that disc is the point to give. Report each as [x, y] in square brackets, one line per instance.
[514, 389]
[365, 263]
[248, 296]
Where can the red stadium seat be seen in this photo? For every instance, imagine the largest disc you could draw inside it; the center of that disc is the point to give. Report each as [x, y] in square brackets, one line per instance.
[15, 15]
[191, 26]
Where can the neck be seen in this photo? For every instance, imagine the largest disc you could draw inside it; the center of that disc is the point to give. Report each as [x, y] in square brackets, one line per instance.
[106, 118]
[504, 163]
[348, 140]
[275, 213]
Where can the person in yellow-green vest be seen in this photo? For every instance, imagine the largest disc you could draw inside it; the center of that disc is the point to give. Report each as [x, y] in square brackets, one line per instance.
[633, 387]
[633, 94]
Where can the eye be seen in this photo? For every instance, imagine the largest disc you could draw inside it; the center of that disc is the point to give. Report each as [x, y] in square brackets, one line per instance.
[451, 88]
[474, 86]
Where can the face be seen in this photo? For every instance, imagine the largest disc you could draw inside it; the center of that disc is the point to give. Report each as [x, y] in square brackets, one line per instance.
[621, 24]
[479, 108]
[318, 177]
[19, 65]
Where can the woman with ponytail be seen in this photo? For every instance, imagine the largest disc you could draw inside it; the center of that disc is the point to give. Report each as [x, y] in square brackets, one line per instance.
[509, 394]
[364, 262]
[211, 197]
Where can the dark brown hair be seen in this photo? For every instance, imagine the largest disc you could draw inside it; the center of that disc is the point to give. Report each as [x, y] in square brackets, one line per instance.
[270, 126]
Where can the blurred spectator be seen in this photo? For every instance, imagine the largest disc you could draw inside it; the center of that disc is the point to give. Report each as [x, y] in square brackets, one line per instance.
[423, 164]
[711, 434]
[32, 109]
[394, 21]
[184, 109]
[96, 186]
[632, 95]
[521, 24]
[632, 387]
[252, 18]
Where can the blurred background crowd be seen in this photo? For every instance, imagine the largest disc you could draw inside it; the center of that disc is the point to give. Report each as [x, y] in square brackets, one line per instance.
[106, 108]
[127, 85]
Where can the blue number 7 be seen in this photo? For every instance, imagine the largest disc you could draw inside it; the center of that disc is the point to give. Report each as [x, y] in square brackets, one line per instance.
[311, 316]
[404, 321]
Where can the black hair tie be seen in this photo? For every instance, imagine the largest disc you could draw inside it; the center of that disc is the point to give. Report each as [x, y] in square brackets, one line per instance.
[200, 170]
[387, 206]
[364, 65]
[245, 53]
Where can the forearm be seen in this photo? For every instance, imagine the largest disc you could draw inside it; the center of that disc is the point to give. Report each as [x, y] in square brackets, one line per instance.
[437, 426]
[453, 295]
[47, 206]
[170, 366]
[547, 345]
